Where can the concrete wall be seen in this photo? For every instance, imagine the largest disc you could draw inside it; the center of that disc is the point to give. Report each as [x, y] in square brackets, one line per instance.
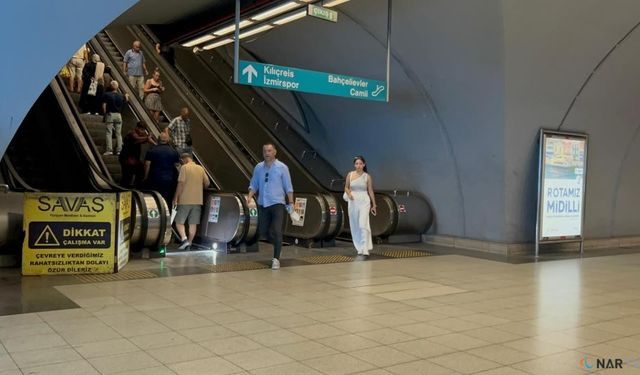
[442, 132]
[37, 38]
[551, 48]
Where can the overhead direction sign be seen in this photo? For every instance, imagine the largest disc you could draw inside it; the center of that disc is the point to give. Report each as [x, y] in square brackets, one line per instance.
[311, 81]
[322, 13]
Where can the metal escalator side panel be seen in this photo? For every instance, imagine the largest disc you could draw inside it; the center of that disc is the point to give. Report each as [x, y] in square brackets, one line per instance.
[385, 222]
[415, 215]
[314, 218]
[334, 217]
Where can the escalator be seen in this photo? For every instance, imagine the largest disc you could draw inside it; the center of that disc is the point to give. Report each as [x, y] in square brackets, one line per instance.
[53, 150]
[322, 211]
[228, 164]
[405, 215]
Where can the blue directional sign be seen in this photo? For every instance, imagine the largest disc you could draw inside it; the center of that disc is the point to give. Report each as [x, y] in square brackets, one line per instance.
[293, 79]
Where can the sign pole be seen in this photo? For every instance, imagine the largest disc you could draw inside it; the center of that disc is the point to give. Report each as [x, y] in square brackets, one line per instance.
[236, 45]
[388, 45]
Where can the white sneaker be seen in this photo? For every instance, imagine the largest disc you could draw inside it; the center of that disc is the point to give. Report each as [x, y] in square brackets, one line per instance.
[185, 244]
[108, 153]
[275, 264]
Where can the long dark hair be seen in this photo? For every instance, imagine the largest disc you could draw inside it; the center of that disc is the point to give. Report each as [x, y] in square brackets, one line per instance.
[361, 158]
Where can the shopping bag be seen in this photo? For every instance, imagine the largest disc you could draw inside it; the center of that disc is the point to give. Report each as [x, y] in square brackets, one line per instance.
[174, 212]
[93, 88]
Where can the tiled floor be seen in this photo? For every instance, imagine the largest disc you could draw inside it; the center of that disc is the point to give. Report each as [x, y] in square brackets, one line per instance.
[445, 314]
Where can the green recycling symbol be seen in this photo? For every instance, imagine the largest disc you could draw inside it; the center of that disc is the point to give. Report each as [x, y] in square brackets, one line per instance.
[153, 213]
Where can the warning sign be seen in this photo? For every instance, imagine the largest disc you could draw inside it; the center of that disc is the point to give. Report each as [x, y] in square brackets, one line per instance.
[300, 206]
[46, 238]
[68, 233]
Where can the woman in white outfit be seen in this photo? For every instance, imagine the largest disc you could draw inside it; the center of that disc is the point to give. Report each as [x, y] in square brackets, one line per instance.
[358, 192]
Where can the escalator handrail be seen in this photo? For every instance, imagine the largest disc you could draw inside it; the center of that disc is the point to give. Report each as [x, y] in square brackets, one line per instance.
[17, 182]
[101, 178]
[144, 30]
[237, 150]
[137, 106]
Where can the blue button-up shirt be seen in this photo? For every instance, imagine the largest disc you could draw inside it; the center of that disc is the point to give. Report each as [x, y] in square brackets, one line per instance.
[271, 183]
[134, 61]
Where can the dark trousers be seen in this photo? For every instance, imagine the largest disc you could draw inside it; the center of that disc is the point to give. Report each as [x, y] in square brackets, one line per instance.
[132, 174]
[270, 223]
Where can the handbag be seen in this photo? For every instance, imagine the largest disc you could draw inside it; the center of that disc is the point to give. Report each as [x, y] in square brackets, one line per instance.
[93, 87]
[64, 72]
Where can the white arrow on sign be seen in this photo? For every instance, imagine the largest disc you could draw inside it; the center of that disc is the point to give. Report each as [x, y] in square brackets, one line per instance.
[251, 72]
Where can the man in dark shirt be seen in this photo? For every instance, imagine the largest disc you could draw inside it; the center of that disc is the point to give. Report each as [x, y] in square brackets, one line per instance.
[112, 104]
[132, 167]
[161, 168]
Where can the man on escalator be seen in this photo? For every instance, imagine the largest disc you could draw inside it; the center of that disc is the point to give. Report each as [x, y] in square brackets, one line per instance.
[161, 168]
[129, 158]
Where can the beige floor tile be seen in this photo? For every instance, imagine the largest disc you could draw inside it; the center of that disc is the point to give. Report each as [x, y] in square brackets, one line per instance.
[519, 328]
[390, 320]
[230, 345]
[105, 348]
[387, 336]
[464, 363]
[225, 318]
[348, 343]
[287, 369]
[423, 330]
[459, 341]
[291, 321]
[158, 370]
[423, 348]
[338, 364]
[205, 367]
[19, 320]
[301, 351]
[123, 362]
[255, 359]
[209, 308]
[207, 333]
[179, 353]
[83, 336]
[564, 340]
[451, 311]
[11, 372]
[355, 325]
[373, 372]
[558, 363]
[629, 343]
[251, 327]
[592, 334]
[24, 343]
[420, 293]
[394, 287]
[536, 347]
[502, 371]
[186, 322]
[422, 315]
[318, 331]
[485, 320]
[67, 368]
[383, 356]
[7, 363]
[267, 312]
[606, 350]
[57, 315]
[502, 354]
[492, 335]
[25, 330]
[422, 303]
[77, 324]
[419, 368]
[100, 311]
[274, 338]
[35, 358]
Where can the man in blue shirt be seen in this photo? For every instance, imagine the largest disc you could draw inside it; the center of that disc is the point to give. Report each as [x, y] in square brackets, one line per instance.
[271, 181]
[135, 67]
